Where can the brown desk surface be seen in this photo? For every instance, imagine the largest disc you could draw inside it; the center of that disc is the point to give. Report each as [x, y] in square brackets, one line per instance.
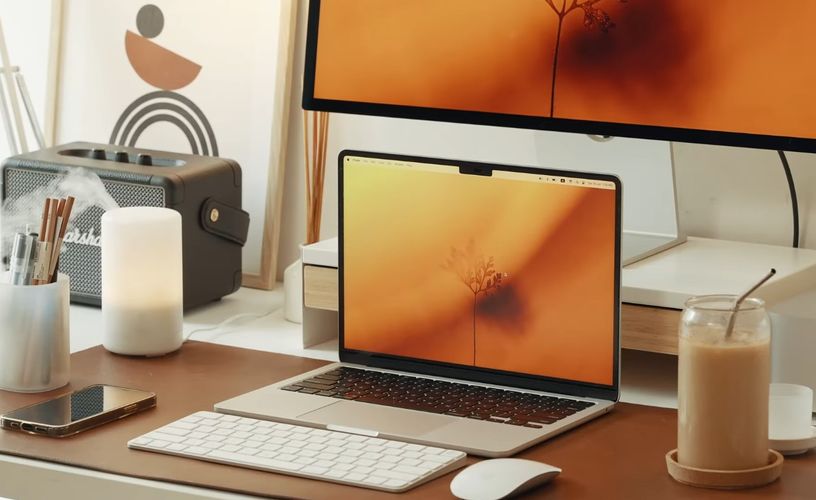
[619, 455]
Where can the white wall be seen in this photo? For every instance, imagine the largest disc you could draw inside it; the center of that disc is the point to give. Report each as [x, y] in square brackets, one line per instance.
[26, 24]
[741, 194]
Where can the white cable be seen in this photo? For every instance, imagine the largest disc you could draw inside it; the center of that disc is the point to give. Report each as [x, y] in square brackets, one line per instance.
[229, 321]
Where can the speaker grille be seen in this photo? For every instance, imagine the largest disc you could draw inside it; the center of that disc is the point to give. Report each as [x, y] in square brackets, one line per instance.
[81, 257]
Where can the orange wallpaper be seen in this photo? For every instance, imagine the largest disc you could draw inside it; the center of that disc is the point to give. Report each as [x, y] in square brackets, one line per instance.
[727, 65]
[407, 232]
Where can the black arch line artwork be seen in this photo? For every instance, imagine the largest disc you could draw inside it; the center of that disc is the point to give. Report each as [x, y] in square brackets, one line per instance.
[134, 121]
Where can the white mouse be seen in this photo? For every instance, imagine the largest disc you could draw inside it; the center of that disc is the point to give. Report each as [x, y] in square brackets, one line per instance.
[500, 478]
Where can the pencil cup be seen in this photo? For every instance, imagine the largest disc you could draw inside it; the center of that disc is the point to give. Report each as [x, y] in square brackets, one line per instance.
[35, 354]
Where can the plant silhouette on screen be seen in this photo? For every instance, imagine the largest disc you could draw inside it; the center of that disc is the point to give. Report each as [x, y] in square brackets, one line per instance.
[594, 18]
[476, 273]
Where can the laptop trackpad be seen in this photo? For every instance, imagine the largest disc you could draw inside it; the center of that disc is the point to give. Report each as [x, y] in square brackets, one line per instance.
[376, 418]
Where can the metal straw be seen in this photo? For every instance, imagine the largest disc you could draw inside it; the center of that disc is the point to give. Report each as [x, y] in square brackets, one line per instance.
[738, 302]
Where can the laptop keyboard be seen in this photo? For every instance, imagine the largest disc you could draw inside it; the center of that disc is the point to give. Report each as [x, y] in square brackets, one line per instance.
[437, 396]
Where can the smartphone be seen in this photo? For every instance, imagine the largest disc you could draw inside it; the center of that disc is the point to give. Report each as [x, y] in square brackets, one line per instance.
[81, 410]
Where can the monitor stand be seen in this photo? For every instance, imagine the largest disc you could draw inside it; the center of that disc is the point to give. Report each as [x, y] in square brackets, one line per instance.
[646, 169]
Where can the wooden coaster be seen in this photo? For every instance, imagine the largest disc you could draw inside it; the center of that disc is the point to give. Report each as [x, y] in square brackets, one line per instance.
[726, 479]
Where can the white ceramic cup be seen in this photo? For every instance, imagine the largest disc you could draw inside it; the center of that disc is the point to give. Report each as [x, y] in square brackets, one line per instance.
[35, 350]
[790, 409]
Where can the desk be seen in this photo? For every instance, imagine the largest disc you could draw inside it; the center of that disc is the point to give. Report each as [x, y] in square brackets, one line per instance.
[647, 380]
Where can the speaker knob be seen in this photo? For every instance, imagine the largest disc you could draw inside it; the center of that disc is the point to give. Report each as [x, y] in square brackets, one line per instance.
[122, 157]
[144, 159]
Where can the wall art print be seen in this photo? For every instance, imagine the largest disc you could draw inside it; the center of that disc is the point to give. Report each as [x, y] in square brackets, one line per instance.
[210, 77]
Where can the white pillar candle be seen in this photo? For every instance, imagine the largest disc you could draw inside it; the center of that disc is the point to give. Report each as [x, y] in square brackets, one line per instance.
[142, 281]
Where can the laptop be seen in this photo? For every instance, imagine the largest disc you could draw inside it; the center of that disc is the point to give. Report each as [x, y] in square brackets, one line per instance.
[479, 306]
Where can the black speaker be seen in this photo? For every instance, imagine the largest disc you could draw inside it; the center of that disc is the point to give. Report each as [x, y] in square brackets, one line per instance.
[205, 190]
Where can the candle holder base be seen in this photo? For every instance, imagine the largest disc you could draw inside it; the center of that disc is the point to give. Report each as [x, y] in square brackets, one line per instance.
[725, 479]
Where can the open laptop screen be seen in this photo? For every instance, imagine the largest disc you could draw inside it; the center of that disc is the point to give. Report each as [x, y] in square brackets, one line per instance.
[497, 268]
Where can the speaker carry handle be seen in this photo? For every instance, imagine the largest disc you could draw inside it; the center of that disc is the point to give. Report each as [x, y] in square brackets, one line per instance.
[225, 221]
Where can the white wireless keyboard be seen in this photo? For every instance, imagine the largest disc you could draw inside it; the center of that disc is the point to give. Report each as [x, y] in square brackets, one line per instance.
[339, 457]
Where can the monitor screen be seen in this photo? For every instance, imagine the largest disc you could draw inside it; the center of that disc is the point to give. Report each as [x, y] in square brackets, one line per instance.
[514, 272]
[725, 72]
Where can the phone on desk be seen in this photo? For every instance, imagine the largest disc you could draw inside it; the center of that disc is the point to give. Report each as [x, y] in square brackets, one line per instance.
[81, 410]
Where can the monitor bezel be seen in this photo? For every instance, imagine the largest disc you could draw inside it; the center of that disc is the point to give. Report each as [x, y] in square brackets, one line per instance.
[612, 129]
[476, 374]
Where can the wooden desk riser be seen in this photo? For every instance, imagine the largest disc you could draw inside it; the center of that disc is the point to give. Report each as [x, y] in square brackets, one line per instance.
[619, 455]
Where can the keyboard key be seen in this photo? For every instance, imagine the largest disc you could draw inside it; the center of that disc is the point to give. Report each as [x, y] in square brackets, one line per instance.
[374, 480]
[181, 424]
[407, 469]
[315, 469]
[437, 458]
[394, 474]
[169, 438]
[269, 462]
[395, 483]
[355, 476]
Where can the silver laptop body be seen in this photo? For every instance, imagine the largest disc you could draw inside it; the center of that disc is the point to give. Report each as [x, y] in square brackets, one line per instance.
[581, 366]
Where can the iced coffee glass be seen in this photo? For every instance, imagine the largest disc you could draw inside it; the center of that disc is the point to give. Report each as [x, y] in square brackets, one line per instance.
[723, 384]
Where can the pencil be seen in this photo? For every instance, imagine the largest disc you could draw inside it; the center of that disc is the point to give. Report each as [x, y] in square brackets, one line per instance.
[41, 243]
[65, 214]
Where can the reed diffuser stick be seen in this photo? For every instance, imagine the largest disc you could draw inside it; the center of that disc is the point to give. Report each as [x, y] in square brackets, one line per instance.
[315, 144]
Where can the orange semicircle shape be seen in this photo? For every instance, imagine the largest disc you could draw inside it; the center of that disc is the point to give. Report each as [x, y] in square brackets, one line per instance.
[158, 66]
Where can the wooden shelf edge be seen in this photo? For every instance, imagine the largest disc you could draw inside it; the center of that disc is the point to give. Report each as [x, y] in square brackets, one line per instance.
[651, 329]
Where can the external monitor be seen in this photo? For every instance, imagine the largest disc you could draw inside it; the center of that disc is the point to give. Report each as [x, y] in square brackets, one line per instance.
[728, 72]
